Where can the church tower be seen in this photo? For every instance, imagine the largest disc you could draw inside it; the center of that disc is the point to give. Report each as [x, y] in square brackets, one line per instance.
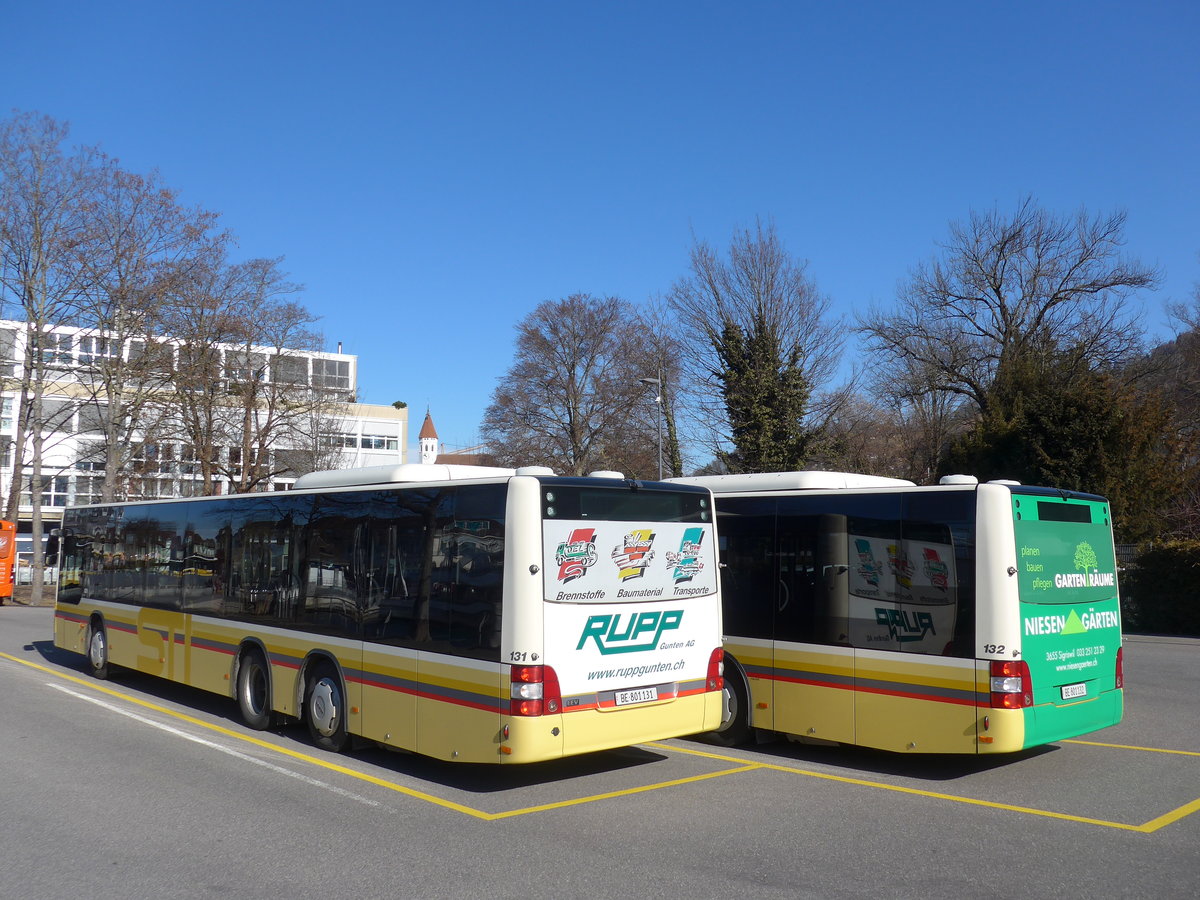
[428, 441]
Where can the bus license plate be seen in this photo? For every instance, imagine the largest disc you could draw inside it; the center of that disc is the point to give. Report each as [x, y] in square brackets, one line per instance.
[641, 695]
[1072, 691]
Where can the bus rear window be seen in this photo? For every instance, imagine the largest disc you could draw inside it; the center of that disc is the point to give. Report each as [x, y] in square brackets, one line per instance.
[1064, 512]
[623, 504]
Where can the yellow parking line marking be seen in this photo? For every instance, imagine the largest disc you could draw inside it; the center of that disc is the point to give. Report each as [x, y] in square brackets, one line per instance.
[1173, 816]
[742, 766]
[1131, 747]
[1146, 828]
[750, 767]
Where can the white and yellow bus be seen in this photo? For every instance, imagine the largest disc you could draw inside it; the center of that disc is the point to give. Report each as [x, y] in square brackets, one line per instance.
[469, 614]
[955, 618]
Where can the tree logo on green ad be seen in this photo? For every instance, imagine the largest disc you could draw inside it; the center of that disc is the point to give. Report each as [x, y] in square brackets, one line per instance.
[1085, 557]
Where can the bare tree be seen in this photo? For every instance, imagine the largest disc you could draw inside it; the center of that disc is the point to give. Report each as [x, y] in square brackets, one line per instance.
[1013, 293]
[270, 395]
[242, 389]
[761, 348]
[43, 191]
[926, 419]
[572, 396]
[143, 244]
[203, 315]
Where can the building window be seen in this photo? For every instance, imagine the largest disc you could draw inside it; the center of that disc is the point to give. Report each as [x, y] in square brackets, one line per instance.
[289, 370]
[93, 417]
[95, 349]
[88, 489]
[57, 349]
[54, 490]
[91, 456]
[57, 415]
[8, 351]
[189, 461]
[243, 368]
[331, 374]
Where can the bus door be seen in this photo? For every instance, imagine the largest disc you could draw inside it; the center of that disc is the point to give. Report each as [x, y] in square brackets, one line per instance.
[750, 585]
[813, 662]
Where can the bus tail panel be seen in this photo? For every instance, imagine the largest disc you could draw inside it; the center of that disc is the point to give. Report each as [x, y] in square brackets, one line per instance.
[1070, 614]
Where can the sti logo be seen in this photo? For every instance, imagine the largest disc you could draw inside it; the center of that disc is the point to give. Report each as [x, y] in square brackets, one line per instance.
[576, 554]
[686, 562]
[634, 554]
[611, 636]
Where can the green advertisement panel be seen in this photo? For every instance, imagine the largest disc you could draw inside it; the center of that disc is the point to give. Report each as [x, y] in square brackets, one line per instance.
[1070, 614]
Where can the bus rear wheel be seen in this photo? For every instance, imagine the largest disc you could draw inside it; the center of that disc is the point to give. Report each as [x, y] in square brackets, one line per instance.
[254, 690]
[325, 708]
[97, 651]
[735, 710]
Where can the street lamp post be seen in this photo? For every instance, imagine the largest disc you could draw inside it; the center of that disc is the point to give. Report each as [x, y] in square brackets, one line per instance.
[657, 383]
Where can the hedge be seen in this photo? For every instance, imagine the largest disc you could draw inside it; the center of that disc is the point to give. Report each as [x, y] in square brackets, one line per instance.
[1160, 592]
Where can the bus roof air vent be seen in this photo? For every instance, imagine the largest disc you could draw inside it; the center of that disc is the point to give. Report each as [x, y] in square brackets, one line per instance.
[958, 479]
[534, 470]
[605, 473]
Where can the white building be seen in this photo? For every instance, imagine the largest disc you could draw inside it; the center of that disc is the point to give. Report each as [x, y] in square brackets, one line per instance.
[355, 434]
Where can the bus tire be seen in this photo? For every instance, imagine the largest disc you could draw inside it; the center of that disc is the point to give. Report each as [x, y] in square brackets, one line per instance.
[325, 708]
[254, 690]
[735, 709]
[97, 651]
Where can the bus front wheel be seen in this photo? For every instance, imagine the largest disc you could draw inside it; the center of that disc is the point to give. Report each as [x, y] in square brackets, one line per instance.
[97, 651]
[254, 690]
[735, 710]
[325, 709]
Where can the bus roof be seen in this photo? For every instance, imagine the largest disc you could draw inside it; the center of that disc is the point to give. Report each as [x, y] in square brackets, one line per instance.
[402, 473]
[791, 481]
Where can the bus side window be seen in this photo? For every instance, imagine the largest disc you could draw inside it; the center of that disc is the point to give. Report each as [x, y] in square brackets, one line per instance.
[331, 603]
[802, 612]
[939, 530]
[466, 603]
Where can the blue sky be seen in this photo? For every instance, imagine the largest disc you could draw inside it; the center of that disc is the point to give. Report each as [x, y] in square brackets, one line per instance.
[431, 172]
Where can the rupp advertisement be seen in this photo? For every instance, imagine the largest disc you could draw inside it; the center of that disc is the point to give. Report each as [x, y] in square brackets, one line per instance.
[637, 605]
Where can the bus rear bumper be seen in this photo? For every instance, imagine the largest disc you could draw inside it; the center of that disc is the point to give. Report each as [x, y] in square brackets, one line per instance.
[587, 731]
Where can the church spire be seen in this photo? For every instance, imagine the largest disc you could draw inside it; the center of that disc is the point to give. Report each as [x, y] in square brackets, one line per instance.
[428, 441]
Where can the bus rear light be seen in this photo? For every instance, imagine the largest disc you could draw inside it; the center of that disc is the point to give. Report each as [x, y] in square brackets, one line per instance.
[1011, 684]
[716, 670]
[1120, 667]
[533, 691]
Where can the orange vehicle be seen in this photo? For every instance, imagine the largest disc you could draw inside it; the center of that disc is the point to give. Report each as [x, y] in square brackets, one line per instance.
[8, 556]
